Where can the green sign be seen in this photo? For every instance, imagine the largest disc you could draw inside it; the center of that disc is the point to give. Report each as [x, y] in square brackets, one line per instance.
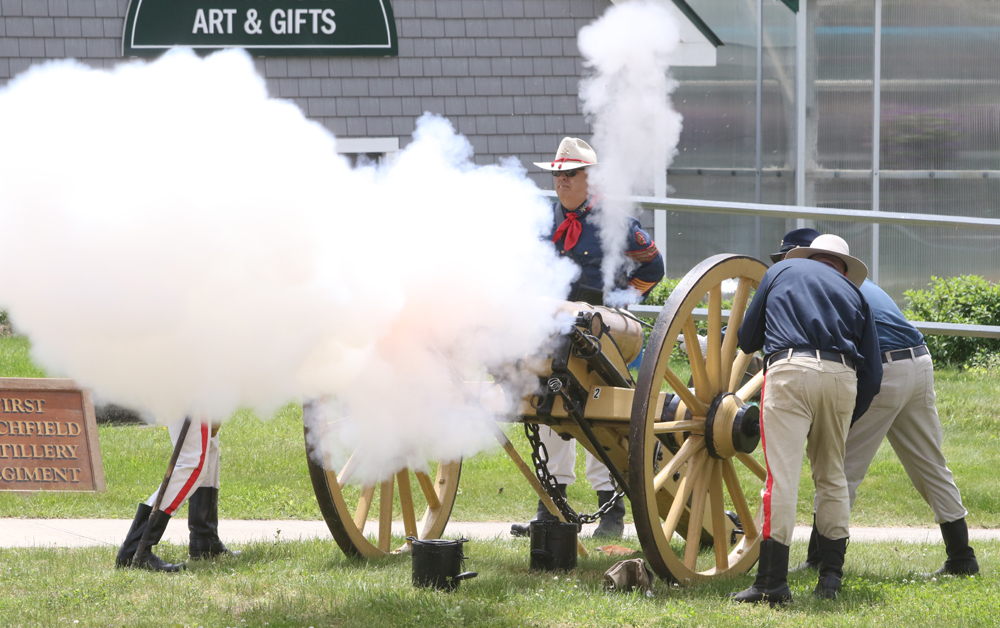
[262, 27]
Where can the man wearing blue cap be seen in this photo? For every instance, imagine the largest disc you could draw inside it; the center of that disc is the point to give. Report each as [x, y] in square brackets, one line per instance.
[904, 412]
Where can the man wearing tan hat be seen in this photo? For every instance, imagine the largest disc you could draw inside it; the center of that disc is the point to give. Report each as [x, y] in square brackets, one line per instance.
[822, 370]
[576, 235]
[576, 231]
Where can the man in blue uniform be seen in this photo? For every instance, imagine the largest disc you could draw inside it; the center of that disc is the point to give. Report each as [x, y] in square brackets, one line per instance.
[576, 231]
[576, 235]
[904, 412]
[823, 369]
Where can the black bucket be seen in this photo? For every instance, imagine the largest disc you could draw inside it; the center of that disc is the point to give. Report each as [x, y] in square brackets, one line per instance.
[437, 563]
[553, 545]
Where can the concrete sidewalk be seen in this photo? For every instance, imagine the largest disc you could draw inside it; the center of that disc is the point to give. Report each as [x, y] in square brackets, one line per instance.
[110, 532]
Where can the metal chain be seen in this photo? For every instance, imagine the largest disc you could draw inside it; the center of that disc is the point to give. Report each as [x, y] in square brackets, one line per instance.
[539, 456]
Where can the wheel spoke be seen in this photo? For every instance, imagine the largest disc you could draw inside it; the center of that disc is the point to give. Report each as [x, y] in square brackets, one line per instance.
[752, 387]
[718, 519]
[690, 447]
[757, 468]
[349, 468]
[694, 404]
[715, 338]
[698, 373]
[696, 517]
[427, 488]
[739, 500]
[739, 367]
[683, 492]
[364, 507]
[670, 427]
[385, 515]
[406, 503]
[733, 326]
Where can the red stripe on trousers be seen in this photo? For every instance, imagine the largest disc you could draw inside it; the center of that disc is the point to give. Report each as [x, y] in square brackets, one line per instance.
[766, 531]
[182, 495]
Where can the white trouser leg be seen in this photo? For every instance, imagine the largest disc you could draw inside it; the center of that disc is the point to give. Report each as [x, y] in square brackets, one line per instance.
[562, 455]
[190, 467]
[598, 474]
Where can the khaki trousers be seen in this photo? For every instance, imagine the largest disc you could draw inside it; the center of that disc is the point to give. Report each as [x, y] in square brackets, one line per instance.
[904, 411]
[808, 403]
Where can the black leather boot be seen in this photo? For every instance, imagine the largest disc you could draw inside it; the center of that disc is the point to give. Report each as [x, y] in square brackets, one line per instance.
[812, 553]
[203, 522]
[612, 524]
[961, 557]
[831, 566]
[542, 514]
[148, 560]
[771, 585]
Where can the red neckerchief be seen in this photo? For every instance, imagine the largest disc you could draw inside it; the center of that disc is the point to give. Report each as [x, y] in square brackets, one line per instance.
[571, 226]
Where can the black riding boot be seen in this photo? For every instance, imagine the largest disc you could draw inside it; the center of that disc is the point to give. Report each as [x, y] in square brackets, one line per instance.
[831, 566]
[612, 524]
[203, 522]
[542, 514]
[812, 553]
[148, 560]
[961, 557]
[771, 585]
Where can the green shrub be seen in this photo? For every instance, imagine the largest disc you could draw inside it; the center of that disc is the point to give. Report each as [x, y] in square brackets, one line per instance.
[660, 294]
[968, 299]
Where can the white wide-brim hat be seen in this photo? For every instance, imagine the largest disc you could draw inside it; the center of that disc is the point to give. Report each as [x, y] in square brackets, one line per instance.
[573, 153]
[836, 246]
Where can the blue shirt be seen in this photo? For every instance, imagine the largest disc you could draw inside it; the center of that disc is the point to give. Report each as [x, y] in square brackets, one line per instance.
[804, 304]
[645, 267]
[894, 331]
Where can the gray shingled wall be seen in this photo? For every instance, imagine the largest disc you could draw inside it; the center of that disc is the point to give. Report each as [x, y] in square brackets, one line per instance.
[504, 72]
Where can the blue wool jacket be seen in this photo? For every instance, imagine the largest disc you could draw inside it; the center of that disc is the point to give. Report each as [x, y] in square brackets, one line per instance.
[805, 304]
[646, 269]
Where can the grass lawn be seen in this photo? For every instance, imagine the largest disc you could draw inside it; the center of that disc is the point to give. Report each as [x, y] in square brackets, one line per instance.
[310, 584]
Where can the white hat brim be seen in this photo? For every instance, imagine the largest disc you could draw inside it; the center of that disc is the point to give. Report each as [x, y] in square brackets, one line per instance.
[857, 271]
[547, 165]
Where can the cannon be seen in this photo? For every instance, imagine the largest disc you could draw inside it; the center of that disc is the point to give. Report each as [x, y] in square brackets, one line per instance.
[681, 439]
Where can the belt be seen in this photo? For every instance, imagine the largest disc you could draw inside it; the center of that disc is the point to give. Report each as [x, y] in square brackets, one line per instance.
[784, 354]
[904, 354]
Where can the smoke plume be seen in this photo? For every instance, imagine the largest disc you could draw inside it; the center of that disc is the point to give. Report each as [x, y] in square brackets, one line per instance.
[626, 98]
[180, 243]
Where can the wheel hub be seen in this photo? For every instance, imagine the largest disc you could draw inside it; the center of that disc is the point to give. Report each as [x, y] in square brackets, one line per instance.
[731, 428]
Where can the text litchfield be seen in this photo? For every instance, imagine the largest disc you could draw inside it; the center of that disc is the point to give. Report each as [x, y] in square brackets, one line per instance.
[39, 428]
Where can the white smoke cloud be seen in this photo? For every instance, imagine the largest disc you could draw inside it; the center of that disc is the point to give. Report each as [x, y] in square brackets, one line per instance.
[626, 98]
[180, 243]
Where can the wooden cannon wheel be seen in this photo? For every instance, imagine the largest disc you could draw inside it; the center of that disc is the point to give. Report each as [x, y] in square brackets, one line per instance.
[346, 503]
[680, 500]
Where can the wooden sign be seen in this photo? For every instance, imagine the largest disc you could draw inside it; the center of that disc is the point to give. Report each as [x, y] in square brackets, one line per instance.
[48, 437]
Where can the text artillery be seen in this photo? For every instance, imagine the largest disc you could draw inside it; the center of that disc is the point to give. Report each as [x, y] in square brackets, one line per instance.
[45, 452]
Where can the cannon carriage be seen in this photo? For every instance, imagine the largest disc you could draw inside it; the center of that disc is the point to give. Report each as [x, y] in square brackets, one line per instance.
[682, 448]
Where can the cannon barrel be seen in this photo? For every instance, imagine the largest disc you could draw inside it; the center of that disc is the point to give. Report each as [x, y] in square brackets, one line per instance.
[623, 327]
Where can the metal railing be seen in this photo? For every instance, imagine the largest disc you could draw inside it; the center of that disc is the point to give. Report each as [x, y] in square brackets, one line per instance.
[792, 212]
[926, 328]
